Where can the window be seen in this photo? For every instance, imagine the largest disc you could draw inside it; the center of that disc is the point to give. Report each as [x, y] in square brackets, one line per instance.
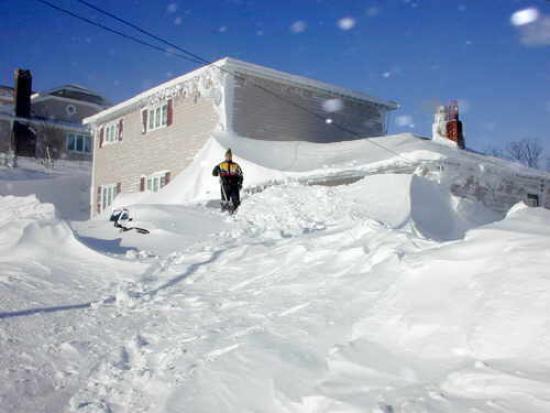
[108, 194]
[111, 135]
[533, 200]
[156, 181]
[78, 143]
[158, 116]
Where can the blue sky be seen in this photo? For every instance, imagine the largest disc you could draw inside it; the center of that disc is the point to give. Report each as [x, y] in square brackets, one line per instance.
[417, 52]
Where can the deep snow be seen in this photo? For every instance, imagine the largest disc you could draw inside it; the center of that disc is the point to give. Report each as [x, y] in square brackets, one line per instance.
[385, 295]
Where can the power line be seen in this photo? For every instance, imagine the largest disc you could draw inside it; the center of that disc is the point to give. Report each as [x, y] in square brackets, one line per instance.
[143, 31]
[114, 31]
[208, 62]
[195, 58]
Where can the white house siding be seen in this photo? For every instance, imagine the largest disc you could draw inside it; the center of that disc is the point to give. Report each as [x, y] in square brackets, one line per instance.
[171, 148]
[257, 114]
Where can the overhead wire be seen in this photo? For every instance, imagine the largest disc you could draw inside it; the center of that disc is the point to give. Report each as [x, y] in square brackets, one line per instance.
[197, 59]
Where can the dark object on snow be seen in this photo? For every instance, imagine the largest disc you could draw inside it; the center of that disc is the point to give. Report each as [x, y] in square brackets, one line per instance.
[231, 182]
[121, 218]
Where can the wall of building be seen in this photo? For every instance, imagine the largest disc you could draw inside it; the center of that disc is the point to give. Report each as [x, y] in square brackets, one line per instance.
[258, 114]
[497, 188]
[171, 148]
[55, 108]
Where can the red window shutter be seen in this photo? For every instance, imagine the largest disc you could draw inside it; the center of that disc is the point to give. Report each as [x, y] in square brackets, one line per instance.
[166, 178]
[98, 199]
[170, 112]
[120, 129]
[101, 137]
[142, 184]
[118, 188]
[143, 121]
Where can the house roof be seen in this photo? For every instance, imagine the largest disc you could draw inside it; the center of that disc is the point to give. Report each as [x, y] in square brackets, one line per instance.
[74, 92]
[232, 65]
[265, 72]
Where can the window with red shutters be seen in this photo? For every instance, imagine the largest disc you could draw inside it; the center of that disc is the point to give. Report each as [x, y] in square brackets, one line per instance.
[170, 112]
[118, 188]
[166, 178]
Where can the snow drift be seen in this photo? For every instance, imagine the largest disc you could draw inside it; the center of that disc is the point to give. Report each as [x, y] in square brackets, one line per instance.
[66, 186]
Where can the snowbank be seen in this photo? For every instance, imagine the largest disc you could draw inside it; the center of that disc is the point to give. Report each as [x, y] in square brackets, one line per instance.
[395, 200]
[67, 186]
[37, 249]
[266, 162]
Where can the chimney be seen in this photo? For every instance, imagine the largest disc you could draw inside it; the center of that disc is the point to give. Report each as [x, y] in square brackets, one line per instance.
[454, 125]
[22, 92]
[447, 125]
[23, 138]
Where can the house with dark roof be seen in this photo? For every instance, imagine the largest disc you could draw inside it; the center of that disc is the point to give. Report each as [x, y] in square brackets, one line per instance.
[49, 123]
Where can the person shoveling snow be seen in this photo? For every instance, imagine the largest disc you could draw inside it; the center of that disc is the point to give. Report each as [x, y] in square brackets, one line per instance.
[231, 182]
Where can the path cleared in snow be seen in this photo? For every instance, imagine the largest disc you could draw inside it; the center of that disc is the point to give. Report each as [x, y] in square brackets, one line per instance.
[387, 295]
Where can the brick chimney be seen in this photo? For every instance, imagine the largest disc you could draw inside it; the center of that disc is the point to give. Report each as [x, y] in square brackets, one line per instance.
[23, 139]
[447, 125]
[454, 125]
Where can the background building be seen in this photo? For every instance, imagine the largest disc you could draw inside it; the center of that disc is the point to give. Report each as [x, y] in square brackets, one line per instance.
[47, 124]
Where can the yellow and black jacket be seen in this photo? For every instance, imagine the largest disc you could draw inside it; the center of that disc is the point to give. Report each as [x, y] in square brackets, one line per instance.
[229, 172]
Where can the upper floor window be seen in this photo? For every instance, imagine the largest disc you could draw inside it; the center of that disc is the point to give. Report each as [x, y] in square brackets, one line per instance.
[157, 116]
[78, 143]
[111, 134]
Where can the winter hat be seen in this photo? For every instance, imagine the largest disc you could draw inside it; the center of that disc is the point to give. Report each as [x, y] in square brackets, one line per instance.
[228, 153]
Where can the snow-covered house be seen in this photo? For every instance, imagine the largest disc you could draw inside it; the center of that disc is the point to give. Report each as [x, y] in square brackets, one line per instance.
[33, 123]
[143, 142]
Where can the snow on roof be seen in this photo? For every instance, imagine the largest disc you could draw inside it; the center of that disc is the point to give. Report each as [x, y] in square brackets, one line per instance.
[228, 64]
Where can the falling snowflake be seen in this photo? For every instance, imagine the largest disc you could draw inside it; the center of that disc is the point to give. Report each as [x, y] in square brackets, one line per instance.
[172, 8]
[178, 20]
[386, 75]
[333, 105]
[525, 16]
[328, 121]
[298, 26]
[373, 11]
[222, 29]
[405, 121]
[346, 23]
